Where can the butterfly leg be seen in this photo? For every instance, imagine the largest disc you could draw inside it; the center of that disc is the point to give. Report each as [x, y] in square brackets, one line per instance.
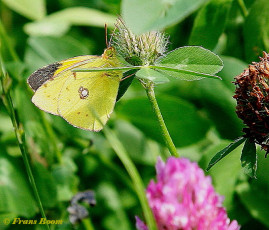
[127, 77]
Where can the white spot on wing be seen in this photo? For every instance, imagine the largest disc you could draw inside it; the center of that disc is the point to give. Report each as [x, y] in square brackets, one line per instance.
[83, 92]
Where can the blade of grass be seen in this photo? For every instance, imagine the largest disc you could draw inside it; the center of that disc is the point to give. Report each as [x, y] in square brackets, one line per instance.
[126, 68]
[243, 8]
[132, 171]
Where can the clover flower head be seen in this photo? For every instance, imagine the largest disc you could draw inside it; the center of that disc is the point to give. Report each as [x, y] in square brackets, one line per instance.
[141, 49]
[252, 96]
[183, 198]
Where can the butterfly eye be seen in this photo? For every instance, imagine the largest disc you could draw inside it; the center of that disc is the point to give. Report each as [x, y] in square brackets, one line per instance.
[83, 92]
[109, 52]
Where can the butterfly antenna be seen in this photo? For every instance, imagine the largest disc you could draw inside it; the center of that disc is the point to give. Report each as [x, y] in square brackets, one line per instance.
[106, 35]
[110, 40]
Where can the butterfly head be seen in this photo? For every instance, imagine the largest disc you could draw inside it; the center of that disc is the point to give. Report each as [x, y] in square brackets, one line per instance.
[109, 53]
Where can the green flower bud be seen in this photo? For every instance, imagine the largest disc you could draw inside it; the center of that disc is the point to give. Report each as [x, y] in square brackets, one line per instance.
[138, 49]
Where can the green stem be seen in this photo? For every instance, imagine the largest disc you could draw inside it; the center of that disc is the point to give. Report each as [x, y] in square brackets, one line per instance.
[20, 137]
[149, 86]
[136, 179]
[31, 177]
[243, 8]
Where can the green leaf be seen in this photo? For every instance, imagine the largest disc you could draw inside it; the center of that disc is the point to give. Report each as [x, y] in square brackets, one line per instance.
[256, 30]
[152, 75]
[182, 74]
[249, 158]
[262, 166]
[210, 23]
[192, 58]
[185, 124]
[145, 15]
[124, 84]
[32, 9]
[255, 199]
[224, 152]
[58, 23]
[195, 59]
[45, 50]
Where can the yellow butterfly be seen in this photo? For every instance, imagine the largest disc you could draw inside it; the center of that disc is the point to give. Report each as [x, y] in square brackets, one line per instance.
[84, 99]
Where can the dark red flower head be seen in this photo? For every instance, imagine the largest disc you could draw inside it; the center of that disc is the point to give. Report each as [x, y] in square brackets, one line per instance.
[252, 96]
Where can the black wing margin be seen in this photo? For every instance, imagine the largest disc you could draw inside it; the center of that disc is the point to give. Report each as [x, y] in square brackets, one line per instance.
[41, 75]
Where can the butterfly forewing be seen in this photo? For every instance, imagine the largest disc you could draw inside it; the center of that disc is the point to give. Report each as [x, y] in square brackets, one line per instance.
[47, 82]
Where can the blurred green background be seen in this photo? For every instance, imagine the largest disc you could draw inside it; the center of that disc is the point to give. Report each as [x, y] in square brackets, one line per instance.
[200, 115]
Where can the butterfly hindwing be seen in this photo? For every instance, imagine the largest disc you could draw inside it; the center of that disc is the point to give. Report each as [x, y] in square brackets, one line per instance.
[92, 99]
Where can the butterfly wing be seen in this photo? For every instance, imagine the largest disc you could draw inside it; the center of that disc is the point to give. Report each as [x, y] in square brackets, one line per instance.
[87, 99]
[48, 81]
